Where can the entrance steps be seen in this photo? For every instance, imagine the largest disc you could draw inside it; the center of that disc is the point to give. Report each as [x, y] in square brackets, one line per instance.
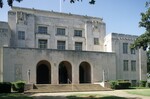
[46, 88]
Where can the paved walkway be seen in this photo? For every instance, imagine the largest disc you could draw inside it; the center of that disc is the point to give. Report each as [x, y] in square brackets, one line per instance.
[121, 93]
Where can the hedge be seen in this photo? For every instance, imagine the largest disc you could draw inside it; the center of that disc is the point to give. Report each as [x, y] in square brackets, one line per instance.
[5, 87]
[120, 84]
[143, 83]
[18, 86]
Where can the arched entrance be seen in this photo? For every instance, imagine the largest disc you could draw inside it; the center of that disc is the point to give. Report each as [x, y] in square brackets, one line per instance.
[43, 72]
[65, 73]
[84, 73]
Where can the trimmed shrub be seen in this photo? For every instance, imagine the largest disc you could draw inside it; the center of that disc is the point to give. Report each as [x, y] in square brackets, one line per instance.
[18, 86]
[148, 85]
[124, 85]
[5, 87]
[143, 83]
[120, 84]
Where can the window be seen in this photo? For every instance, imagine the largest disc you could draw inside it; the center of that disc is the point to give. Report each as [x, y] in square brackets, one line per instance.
[42, 44]
[42, 30]
[61, 45]
[78, 33]
[125, 65]
[2, 30]
[21, 35]
[60, 31]
[96, 41]
[133, 65]
[78, 46]
[125, 48]
[132, 51]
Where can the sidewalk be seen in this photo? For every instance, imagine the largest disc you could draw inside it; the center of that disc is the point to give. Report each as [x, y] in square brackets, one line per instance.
[120, 93]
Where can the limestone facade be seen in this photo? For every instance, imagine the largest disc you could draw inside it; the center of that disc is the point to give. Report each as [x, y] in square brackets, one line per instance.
[65, 48]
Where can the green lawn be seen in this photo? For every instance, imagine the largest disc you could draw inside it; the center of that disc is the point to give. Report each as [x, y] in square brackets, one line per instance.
[93, 96]
[13, 96]
[143, 92]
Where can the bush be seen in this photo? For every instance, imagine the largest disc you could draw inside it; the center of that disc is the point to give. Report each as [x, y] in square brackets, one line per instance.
[18, 86]
[143, 83]
[120, 84]
[148, 85]
[5, 87]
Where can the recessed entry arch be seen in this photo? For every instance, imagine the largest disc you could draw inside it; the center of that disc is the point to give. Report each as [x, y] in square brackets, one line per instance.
[43, 72]
[84, 72]
[65, 72]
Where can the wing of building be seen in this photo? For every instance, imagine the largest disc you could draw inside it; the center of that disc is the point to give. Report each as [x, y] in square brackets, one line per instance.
[46, 47]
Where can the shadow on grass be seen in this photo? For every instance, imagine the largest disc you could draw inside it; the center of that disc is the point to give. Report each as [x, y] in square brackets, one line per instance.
[49, 97]
[13, 96]
[92, 97]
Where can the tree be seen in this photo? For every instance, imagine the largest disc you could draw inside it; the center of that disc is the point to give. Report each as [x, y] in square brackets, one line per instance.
[10, 2]
[143, 41]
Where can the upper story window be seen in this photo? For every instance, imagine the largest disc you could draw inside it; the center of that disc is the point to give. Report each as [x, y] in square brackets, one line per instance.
[3, 30]
[42, 30]
[125, 48]
[61, 45]
[125, 65]
[78, 46]
[96, 41]
[61, 31]
[78, 33]
[21, 35]
[132, 51]
[42, 44]
[133, 65]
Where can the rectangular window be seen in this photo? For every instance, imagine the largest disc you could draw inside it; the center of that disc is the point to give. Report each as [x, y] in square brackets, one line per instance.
[2, 30]
[96, 41]
[60, 31]
[78, 33]
[42, 44]
[42, 30]
[132, 51]
[125, 65]
[78, 46]
[125, 48]
[61, 45]
[21, 35]
[133, 65]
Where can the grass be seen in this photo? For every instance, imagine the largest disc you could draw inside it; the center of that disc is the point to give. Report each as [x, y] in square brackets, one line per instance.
[93, 96]
[143, 92]
[14, 96]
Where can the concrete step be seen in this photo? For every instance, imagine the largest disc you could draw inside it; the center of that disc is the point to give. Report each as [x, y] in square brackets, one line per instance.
[46, 88]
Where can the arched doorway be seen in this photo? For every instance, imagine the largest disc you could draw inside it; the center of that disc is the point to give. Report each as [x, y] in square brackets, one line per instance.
[65, 73]
[84, 73]
[43, 72]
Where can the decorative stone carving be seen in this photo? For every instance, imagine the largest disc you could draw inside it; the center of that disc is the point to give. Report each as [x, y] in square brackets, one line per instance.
[18, 72]
[21, 18]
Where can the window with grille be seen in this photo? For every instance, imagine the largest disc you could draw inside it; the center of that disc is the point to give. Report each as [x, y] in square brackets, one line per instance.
[78, 46]
[133, 65]
[125, 48]
[42, 30]
[60, 31]
[125, 65]
[78, 33]
[21, 35]
[42, 44]
[61, 45]
[96, 41]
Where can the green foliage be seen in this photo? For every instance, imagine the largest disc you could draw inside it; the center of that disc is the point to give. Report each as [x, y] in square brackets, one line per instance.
[18, 86]
[10, 2]
[148, 85]
[120, 84]
[5, 87]
[143, 83]
[143, 41]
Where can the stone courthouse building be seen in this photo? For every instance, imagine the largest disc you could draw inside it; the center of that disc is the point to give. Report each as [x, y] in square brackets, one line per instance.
[46, 47]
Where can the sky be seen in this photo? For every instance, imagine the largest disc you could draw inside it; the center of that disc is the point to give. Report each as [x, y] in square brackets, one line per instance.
[120, 16]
